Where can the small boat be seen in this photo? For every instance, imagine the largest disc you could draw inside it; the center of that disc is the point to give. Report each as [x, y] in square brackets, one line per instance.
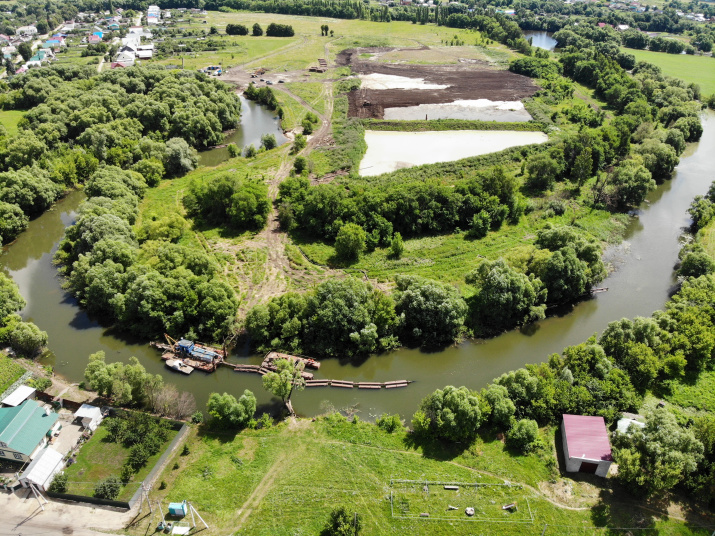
[179, 366]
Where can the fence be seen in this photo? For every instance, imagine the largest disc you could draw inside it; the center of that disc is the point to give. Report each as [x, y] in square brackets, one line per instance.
[159, 465]
[91, 500]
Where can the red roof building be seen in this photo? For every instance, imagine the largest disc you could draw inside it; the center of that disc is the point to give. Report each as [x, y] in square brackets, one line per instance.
[587, 447]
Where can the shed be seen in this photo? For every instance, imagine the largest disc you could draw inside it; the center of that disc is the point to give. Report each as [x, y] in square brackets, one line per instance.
[42, 469]
[91, 416]
[586, 444]
[178, 509]
[19, 395]
[624, 424]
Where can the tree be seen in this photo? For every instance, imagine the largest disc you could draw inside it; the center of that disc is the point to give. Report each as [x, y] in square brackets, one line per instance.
[524, 435]
[431, 314]
[268, 141]
[151, 169]
[451, 413]
[503, 408]
[27, 339]
[25, 50]
[230, 412]
[9, 66]
[12, 222]
[397, 246]
[108, 488]
[298, 144]
[179, 157]
[543, 170]
[10, 299]
[342, 523]
[213, 30]
[257, 30]
[300, 164]
[350, 242]
[696, 263]
[503, 297]
[59, 483]
[658, 157]
[236, 29]
[655, 458]
[285, 380]
[564, 276]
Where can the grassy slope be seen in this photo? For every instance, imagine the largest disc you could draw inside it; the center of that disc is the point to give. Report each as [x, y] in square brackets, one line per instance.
[99, 459]
[10, 371]
[698, 69]
[287, 479]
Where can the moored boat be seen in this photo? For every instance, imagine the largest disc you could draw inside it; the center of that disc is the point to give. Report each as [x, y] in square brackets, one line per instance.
[179, 366]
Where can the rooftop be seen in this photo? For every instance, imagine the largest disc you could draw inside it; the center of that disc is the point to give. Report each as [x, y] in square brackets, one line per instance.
[23, 427]
[18, 395]
[587, 437]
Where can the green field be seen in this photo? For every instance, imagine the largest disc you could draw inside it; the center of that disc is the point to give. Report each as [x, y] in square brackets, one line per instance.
[285, 480]
[10, 371]
[99, 459]
[9, 119]
[698, 69]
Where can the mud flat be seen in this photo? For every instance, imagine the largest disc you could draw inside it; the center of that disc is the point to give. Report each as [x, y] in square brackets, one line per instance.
[388, 151]
[472, 110]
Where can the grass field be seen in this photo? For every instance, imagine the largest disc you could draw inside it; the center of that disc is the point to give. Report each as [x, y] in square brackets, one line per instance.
[10, 371]
[99, 459]
[9, 119]
[285, 481]
[698, 69]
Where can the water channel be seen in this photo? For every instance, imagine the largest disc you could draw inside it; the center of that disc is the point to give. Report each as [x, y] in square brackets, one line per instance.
[540, 39]
[256, 121]
[639, 286]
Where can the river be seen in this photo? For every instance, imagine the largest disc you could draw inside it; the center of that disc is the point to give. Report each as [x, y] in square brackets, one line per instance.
[640, 285]
[256, 121]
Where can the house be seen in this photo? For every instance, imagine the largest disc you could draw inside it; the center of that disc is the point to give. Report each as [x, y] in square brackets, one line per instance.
[91, 416]
[113, 26]
[99, 34]
[125, 58]
[622, 27]
[587, 448]
[154, 11]
[19, 395]
[26, 30]
[25, 430]
[42, 469]
[9, 52]
[94, 39]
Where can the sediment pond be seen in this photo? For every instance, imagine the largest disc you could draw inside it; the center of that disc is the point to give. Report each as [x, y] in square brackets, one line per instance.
[640, 285]
[540, 39]
[388, 150]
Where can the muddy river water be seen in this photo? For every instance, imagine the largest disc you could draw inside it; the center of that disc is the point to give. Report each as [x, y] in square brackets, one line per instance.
[640, 285]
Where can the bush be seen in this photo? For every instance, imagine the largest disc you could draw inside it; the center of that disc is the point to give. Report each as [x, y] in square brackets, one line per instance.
[342, 523]
[59, 483]
[236, 29]
[27, 339]
[300, 164]
[299, 143]
[524, 436]
[197, 417]
[257, 30]
[108, 488]
[233, 150]
[307, 126]
[350, 242]
[397, 246]
[389, 423]
[249, 151]
[268, 142]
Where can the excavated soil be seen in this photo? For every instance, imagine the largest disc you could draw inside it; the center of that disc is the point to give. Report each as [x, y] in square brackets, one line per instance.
[468, 81]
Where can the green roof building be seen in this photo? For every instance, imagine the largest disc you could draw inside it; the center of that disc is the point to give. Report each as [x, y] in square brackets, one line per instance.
[25, 429]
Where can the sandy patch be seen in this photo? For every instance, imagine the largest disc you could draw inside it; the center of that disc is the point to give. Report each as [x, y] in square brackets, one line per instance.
[389, 151]
[389, 81]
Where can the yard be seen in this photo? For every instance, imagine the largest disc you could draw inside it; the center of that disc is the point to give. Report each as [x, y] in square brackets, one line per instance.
[9, 119]
[698, 69]
[100, 458]
[10, 370]
[287, 479]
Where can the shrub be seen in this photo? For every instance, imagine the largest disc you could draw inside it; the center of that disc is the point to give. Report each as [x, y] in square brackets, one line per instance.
[59, 483]
[300, 165]
[342, 523]
[389, 423]
[108, 488]
[197, 417]
[350, 242]
[249, 151]
[524, 435]
[233, 150]
[268, 142]
[397, 246]
[299, 143]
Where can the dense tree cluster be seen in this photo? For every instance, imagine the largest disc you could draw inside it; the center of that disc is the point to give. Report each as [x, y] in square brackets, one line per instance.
[279, 30]
[24, 337]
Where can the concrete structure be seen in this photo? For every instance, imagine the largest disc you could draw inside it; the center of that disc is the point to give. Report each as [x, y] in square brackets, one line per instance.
[19, 395]
[25, 430]
[586, 445]
[91, 416]
[624, 424]
[43, 469]
[26, 30]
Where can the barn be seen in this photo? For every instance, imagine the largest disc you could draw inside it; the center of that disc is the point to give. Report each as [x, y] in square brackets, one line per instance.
[587, 448]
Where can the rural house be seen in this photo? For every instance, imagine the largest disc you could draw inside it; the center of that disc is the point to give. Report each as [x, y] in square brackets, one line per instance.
[25, 429]
[587, 448]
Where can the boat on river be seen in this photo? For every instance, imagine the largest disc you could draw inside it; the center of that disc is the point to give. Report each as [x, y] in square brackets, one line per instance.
[179, 366]
[195, 355]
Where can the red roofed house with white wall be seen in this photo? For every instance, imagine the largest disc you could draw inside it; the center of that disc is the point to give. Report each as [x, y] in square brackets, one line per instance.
[586, 445]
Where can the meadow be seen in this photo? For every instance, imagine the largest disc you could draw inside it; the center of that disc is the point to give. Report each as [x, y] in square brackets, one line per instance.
[286, 479]
[10, 372]
[9, 119]
[698, 69]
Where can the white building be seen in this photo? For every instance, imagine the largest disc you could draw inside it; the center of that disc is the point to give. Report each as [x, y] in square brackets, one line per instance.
[43, 469]
[26, 30]
[587, 448]
[19, 395]
[91, 416]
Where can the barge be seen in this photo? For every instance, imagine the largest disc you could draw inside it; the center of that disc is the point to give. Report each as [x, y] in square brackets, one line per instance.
[190, 354]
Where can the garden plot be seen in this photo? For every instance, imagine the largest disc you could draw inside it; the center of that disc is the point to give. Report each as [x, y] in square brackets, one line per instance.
[472, 110]
[429, 500]
[389, 150]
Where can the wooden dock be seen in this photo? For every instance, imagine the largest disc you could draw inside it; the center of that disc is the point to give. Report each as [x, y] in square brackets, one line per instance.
[360, 385]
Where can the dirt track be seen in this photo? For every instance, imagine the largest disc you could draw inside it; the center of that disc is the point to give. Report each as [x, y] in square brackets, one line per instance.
[468, 81]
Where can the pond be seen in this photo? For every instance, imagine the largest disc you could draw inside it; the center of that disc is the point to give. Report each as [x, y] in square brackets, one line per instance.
[471, 110]
[540, 39]
[256, 120]
[640, 285]
[389, 150]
